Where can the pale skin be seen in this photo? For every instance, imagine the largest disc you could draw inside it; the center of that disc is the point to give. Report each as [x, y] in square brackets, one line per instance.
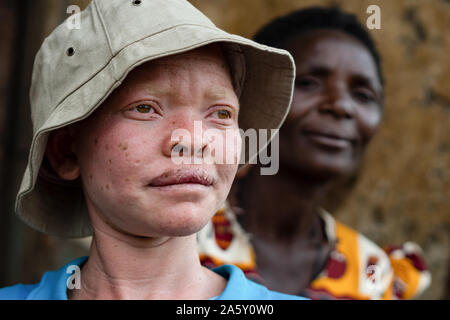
[144, 243]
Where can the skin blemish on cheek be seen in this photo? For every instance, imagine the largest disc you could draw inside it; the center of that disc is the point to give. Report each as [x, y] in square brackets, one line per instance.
[110, 161]
[95, 141]
[107, 187]
[123, 146]
[138, 161]
[127, 180]
[90, 176]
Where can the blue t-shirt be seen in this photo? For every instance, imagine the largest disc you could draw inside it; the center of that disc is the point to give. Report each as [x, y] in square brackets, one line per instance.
[53, 286]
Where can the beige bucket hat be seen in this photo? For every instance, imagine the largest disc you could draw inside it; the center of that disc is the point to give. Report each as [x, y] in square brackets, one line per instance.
[75, 70]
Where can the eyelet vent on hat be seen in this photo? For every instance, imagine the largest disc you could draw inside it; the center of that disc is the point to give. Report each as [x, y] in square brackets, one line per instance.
[70, 52]
[136, 2]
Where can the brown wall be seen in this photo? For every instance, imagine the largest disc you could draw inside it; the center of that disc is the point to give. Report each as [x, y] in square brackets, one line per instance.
[403, 192]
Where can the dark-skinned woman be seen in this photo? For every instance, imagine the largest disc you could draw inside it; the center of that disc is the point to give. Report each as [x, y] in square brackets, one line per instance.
[274, 227]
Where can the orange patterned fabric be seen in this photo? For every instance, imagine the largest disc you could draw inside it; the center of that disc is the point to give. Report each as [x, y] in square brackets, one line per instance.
[338, 278]
[356, 268]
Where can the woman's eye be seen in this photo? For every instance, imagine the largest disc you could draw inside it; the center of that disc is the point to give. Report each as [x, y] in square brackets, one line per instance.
[144, 108]
[306, 83]
[143, 112]
[223, 114]
[364, 96]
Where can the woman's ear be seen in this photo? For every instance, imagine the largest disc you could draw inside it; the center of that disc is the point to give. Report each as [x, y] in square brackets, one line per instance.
[61, 153]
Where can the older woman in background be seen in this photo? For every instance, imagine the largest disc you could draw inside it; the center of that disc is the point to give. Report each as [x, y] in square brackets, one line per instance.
[290, 242]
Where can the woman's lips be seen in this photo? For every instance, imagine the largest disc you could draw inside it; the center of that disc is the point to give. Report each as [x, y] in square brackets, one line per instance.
[330, 140]
[183, 177]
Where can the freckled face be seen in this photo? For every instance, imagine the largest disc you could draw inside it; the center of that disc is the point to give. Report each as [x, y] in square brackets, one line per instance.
[124, 149]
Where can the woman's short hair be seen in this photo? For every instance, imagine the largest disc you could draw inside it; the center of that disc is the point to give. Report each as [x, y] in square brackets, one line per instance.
[279, 31]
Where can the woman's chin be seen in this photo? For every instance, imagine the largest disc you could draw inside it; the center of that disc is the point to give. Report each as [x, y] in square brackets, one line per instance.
[176, 223]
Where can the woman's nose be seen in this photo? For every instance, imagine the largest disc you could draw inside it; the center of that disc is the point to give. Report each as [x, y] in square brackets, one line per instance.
[338, 103]
[185, 138]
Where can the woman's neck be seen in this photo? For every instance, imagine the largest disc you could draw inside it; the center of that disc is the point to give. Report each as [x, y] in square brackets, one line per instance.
[281, 215]
[282, 207]
[126, 267]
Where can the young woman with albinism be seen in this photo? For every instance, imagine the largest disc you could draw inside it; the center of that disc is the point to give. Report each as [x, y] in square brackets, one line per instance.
[104, 154]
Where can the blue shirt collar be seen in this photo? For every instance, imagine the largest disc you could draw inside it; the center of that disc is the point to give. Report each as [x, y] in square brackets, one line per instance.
[53, 285]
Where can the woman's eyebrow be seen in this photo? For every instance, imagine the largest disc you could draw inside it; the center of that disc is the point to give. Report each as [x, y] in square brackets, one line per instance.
[365, 81]
[158, 91]
[321, 71]
[217, 93]
[317, 71]
[359, 79]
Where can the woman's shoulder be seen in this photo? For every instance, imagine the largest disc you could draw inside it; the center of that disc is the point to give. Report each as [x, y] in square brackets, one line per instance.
[239, 287]
[52, 285]
[17, 292]
[346, 237]
[399, 270]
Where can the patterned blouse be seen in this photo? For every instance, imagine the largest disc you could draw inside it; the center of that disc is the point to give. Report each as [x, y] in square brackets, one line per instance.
[356, 268]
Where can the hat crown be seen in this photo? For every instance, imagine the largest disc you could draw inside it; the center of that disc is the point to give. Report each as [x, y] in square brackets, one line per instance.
[69, 57]
[126, 23]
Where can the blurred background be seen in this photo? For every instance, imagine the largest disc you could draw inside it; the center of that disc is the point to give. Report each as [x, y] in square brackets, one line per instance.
[403, 192]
